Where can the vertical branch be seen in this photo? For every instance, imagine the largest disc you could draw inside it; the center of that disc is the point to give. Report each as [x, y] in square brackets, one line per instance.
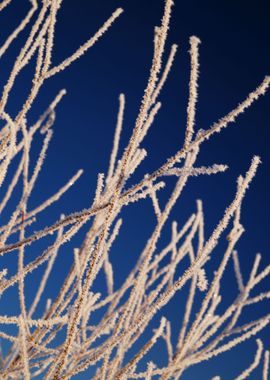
[23, 343]
[193, 84]
[245, 374]
[117, 134]
[266, 365]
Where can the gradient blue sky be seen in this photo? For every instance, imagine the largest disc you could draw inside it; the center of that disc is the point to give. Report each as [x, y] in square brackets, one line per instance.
[234, 58]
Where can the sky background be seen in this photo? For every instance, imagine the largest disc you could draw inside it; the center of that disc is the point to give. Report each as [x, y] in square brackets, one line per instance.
[234, 58]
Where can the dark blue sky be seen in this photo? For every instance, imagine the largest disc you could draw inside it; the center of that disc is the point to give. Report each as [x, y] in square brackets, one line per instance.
[234, 58]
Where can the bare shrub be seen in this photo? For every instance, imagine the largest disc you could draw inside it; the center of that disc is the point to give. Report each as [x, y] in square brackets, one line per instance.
[124, 312]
